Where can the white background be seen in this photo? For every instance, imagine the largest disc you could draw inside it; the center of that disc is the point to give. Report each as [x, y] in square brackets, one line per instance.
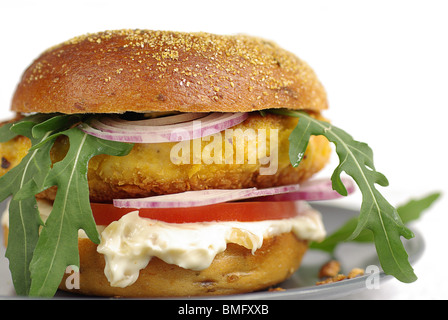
[383, 63]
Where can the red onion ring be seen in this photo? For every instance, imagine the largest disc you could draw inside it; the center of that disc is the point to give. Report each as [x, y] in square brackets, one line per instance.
[113, 123]
[110, 128]
[167, 120]
[314, 190]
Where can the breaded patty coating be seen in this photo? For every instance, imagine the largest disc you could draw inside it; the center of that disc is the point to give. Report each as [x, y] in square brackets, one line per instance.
[163, 168]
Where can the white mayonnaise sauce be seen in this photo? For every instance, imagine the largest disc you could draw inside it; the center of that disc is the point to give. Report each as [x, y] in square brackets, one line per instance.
[129, 243]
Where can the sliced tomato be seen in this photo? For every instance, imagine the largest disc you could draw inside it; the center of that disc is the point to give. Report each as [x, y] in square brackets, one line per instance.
[104, 214]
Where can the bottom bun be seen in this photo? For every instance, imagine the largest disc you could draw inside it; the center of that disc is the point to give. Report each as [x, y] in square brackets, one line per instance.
[236, 270]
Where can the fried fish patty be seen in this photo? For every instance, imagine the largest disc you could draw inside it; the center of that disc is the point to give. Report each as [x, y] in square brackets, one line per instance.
[164, 168]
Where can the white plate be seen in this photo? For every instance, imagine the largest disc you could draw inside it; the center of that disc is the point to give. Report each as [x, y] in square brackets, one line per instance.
[302, 284]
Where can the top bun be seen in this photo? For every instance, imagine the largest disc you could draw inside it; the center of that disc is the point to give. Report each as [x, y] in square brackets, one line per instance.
[142, 70]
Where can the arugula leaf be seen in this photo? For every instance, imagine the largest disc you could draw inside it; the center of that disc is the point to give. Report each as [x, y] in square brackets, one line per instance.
[38, 262]
[10, 130]
[408, 212]
[57, 247]
[413, 209]
[24, 219]
[5, 132]
[376, 214]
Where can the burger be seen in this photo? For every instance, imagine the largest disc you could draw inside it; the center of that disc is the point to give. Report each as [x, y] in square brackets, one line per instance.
[161, 164]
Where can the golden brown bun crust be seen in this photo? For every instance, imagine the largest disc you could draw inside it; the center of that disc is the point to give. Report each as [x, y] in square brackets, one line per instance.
[142, 70]
[233, 271]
